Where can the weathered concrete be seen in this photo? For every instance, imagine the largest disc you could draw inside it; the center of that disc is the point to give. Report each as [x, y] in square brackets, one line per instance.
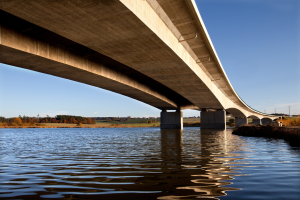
[213, 119]
[240, 121]
[256, 121]
[171, 120]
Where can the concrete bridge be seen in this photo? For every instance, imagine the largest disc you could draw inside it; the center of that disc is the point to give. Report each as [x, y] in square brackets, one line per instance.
[154, 51]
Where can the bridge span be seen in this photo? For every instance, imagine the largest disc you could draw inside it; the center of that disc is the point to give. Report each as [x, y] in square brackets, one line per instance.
[154, 51]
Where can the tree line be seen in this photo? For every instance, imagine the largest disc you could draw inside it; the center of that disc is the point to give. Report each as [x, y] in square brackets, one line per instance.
[112, 119]
[25, 120]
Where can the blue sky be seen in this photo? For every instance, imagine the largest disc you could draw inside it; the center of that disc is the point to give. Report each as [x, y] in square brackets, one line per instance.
[258, 43]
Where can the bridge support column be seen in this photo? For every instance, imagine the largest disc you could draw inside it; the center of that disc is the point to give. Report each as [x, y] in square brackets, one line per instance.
[256, 121]
[239, 121]
[213, 119]
[266, 121]
[171, 120]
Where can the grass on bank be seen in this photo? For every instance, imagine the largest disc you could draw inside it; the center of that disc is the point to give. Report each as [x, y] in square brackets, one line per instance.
[290, 121]
[129, 123]
[4, 124]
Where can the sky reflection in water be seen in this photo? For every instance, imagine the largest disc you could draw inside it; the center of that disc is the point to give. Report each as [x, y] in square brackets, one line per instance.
[146, 163]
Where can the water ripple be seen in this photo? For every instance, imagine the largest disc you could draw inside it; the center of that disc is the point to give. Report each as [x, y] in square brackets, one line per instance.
[145, 163]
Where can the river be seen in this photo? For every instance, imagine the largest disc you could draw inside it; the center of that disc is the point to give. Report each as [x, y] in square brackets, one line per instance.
[145, 163]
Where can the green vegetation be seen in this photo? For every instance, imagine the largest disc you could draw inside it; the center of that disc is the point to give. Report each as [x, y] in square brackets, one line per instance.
[68, 119]
[191, 122]
[129, 122]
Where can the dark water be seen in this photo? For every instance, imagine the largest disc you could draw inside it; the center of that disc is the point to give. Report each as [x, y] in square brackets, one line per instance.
[145, 163]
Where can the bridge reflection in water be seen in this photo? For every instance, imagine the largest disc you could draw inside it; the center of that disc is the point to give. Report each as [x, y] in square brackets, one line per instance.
[119, 163]
[206, 172]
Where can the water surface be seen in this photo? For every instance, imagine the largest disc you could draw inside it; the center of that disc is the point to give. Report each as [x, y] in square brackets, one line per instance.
[145, 163]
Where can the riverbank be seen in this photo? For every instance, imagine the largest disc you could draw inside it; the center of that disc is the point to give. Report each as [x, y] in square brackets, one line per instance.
[77, 126]
[290, 134]
[99, 125]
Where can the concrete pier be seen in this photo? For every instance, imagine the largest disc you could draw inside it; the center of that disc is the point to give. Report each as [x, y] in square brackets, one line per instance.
[171, 120]
[266, 121]
[213, 119]
[239, 121]
[256, 121]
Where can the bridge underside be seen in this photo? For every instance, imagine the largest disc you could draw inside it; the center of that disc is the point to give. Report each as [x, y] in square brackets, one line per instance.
[26, 45]
[130, 47]
[114, 29]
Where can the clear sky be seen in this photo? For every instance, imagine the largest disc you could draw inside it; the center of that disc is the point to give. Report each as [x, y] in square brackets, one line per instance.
[258, 43]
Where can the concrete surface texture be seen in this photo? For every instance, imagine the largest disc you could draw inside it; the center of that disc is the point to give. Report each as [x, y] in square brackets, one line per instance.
[256, 121]
[171, 120]
[213, 120]
[155, 51]
[266, 121]
[239, 121]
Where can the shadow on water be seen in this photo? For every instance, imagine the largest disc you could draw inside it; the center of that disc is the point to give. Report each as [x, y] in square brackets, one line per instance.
[121, 164]
[196, 173]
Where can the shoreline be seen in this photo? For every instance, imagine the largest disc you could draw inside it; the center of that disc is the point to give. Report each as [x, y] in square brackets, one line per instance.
[185, 125]
[79, 127]
[290, 134]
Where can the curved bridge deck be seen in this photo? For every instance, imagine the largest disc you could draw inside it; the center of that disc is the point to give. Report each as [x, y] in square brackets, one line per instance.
[155, 51]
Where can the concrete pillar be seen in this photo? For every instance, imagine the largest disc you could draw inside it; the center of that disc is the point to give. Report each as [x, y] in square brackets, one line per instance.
[213, 119]
[171, 120]
[256, 121]
[239, 121]
[275, 123]
[266, 121]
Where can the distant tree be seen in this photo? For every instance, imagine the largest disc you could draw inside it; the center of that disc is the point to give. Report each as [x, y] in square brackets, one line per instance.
[73, 120]
[90, 121]
[17, 120]
[2, 119]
